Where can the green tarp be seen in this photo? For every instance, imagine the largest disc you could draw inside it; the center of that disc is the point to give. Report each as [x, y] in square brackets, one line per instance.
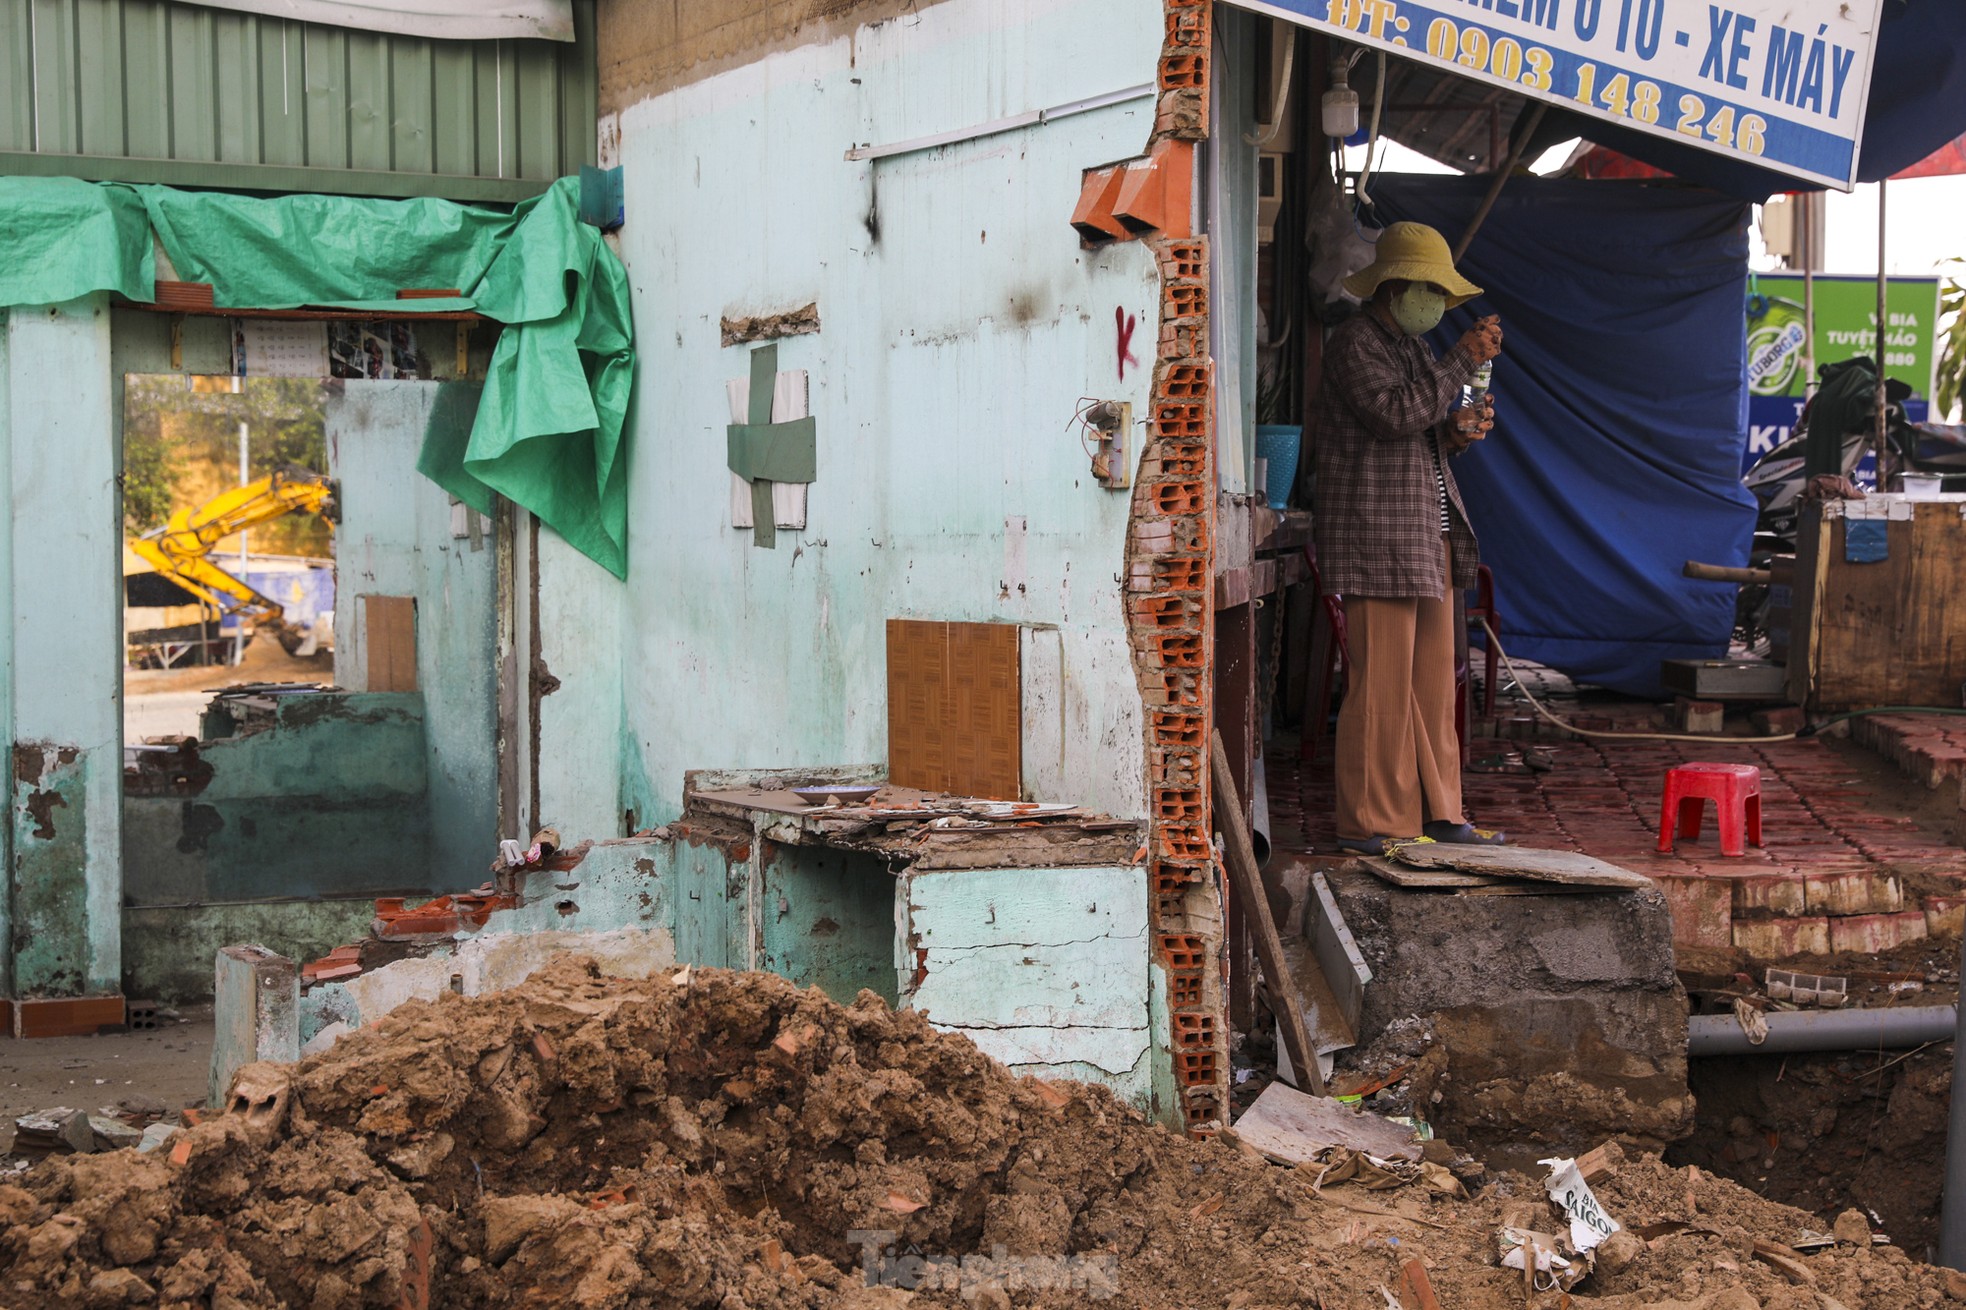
[549, 430]
[62, 238]
[288, 251]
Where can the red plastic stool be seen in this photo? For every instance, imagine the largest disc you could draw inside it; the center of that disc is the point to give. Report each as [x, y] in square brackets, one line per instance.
[1734, 789]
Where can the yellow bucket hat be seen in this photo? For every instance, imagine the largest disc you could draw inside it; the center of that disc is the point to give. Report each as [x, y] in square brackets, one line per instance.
[1412, 252]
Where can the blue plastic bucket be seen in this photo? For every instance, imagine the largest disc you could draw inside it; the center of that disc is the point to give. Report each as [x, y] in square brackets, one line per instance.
[1280, 445]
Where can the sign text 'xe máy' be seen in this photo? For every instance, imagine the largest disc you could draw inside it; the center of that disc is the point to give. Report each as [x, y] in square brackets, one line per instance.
[1778, 83]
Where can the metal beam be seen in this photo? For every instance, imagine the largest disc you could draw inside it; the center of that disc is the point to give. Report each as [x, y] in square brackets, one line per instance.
[273, 178]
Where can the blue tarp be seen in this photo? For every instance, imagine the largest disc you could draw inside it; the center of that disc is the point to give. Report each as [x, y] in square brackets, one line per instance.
[1620, 409]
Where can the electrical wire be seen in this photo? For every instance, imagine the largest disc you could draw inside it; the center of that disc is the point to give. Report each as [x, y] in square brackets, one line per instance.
[1537, 705]
[1264, 135]
[1372, 137]
[1086, 404]
[1809, 731]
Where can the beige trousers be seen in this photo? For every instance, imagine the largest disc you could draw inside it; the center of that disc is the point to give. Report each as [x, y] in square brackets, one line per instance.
[1398, 757]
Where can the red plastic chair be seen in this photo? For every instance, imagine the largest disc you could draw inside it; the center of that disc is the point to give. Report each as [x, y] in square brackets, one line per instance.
[1734, 789]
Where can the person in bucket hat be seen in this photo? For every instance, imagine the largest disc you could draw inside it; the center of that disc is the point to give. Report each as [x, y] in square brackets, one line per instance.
[1393, 538]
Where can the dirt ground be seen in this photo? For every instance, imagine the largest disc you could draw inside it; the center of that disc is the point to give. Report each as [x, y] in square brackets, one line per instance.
[168, 1067]
[264, 660]
[1827, 1132]
[726, 1140]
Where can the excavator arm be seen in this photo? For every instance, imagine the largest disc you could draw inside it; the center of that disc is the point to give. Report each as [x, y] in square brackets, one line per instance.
[181, 549]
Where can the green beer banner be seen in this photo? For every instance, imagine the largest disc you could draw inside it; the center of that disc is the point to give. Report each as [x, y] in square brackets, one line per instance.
[1846, 325]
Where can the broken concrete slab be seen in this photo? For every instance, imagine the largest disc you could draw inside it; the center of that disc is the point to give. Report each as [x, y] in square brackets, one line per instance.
[1567, 868]
[53, 1131]
[1288, 1125]
[1538, 1019]
[1404, 875]
[112, 1134]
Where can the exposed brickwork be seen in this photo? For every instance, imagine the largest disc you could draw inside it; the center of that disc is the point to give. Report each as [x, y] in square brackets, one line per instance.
[1169, 594]
[1929, 747]
[1170, 625]
[1184, 66]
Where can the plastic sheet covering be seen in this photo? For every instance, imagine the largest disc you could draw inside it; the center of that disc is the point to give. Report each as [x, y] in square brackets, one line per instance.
[548, 433]
[549, 429]
[445, 20]
[62, 238]
[288, 251]
[1620, 411]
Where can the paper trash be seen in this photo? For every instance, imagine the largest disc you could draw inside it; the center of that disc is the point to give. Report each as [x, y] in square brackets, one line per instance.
[1516, 1242]
[1589, 1225]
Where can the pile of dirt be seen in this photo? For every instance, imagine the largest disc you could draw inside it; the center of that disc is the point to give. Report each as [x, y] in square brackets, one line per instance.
[727, 1140]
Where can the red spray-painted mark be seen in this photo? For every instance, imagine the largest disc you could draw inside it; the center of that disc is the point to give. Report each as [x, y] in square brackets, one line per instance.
[1126, 323]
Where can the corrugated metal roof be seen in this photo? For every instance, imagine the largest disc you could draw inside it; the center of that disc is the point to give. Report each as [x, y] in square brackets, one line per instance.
[150, 91]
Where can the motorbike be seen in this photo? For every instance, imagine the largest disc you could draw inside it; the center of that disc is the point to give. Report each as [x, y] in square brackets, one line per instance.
[1777, 482]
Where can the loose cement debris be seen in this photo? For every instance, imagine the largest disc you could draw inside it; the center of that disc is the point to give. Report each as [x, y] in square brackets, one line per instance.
[727, 1140]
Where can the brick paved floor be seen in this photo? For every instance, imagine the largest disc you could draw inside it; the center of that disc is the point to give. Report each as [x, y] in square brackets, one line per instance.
[1840, 870]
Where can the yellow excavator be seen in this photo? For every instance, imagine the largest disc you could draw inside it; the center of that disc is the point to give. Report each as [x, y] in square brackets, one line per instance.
[181, 549]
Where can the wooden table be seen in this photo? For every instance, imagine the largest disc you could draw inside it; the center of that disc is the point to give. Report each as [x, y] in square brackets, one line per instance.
[1892, 632]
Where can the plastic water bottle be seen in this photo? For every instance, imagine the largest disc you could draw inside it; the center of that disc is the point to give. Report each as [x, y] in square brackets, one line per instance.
[1478, 389]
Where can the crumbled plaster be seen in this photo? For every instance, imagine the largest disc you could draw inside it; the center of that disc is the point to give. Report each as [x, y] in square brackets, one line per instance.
[741, 329]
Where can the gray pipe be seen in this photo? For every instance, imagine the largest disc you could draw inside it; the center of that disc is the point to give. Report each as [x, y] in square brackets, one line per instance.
[1952, 1214]
[1825, 1030]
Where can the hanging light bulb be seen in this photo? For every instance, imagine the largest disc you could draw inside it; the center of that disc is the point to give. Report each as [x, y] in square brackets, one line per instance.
[1340, 104]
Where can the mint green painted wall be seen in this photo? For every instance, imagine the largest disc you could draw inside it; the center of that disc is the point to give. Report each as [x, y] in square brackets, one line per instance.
[827, 921]
[168, 953]
[65, 645]
[395, 539]
[6, 647]
[331, 799]
[1046, 970]
[582, 791]
[961, 325]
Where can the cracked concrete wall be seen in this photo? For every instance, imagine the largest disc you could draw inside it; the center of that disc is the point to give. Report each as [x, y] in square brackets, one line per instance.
[1046, 970]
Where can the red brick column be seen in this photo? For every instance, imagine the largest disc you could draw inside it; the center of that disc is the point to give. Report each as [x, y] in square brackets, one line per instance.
[1170, 623]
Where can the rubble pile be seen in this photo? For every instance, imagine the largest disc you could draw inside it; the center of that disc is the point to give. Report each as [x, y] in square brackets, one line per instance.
[725, 1140]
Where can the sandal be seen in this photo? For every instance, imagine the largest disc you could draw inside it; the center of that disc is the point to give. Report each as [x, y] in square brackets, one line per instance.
[1376, 845]
[1465, 834]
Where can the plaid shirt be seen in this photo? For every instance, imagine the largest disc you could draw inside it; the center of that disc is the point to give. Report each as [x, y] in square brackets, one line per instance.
[1383, 406]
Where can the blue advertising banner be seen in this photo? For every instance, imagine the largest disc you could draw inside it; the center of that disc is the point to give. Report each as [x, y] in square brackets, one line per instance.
[1778, 83]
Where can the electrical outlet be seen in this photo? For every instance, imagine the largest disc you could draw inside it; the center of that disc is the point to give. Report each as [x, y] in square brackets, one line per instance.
[1111, 422]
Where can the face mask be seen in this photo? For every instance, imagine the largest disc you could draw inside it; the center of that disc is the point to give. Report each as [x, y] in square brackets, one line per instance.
[1418, 308]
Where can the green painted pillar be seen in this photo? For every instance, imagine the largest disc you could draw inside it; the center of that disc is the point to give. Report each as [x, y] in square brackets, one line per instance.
[60, 567]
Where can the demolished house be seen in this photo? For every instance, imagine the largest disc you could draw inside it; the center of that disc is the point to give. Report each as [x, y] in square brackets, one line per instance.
[799, 506]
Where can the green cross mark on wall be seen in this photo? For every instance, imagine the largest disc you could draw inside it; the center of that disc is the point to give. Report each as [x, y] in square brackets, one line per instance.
[763, 452]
